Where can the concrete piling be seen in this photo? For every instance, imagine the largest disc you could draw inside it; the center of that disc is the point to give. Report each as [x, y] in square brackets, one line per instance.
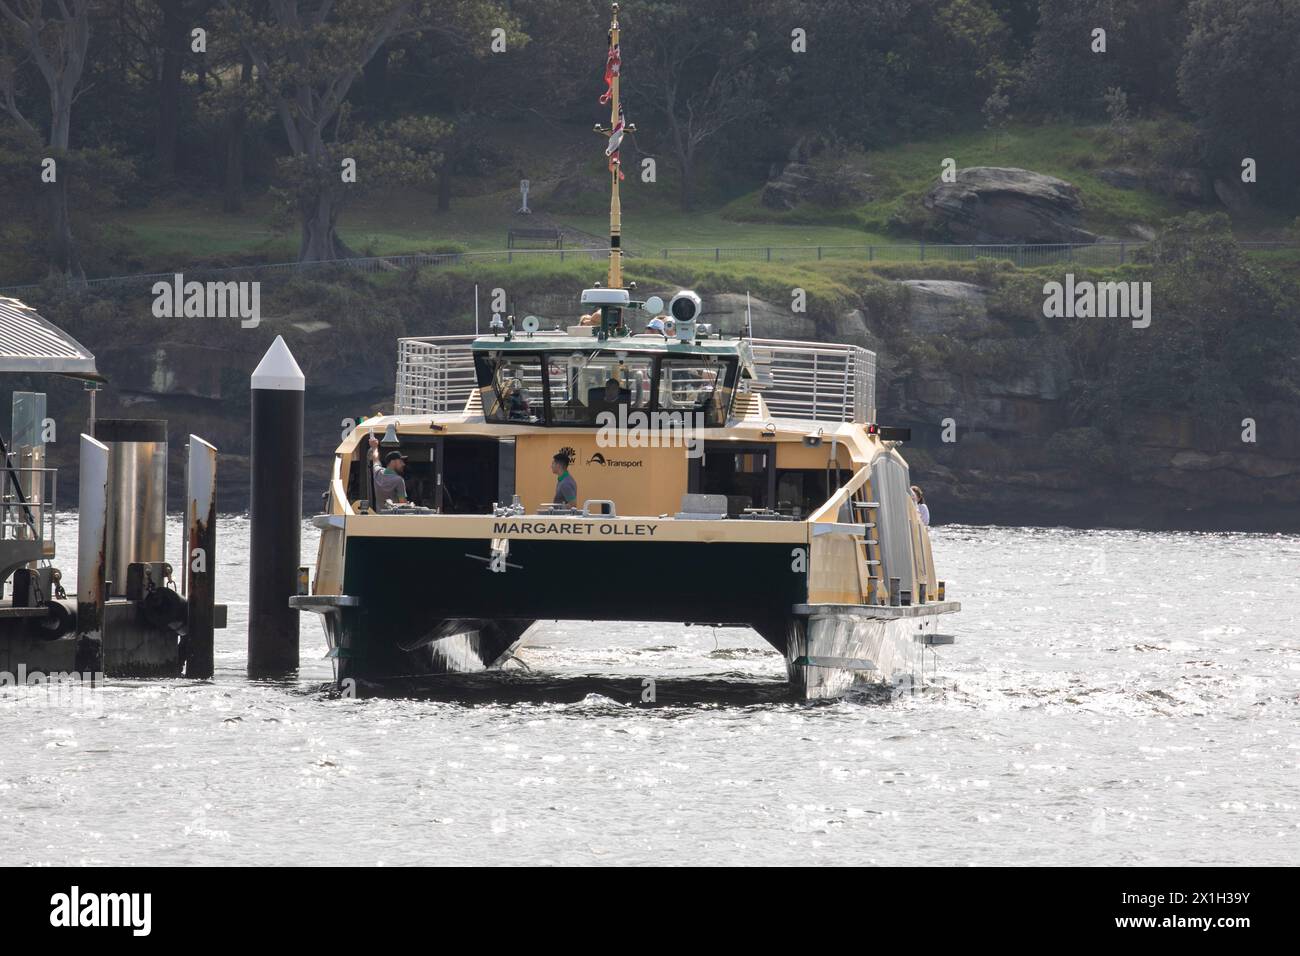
[275, 512]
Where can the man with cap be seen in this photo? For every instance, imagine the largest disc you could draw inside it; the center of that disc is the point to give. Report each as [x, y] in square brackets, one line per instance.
[389, 483]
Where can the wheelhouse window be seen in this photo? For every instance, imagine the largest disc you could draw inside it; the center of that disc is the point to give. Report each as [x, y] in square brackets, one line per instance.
[511, 388]
[696, 385]
[585, 384]
[576, 387]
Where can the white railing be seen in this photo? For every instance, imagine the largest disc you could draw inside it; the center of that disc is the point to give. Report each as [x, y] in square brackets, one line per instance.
[805, 380]
[816, 380]
[434, 374]
[28, 505]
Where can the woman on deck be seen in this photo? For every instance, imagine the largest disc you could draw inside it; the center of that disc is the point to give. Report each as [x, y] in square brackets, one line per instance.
[922, 508]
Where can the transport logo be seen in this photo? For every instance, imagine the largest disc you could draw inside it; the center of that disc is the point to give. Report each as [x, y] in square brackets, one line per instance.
[600, 459]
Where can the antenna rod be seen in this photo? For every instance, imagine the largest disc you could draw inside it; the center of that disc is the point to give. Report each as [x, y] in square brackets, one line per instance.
[615, 208]
[476, 308]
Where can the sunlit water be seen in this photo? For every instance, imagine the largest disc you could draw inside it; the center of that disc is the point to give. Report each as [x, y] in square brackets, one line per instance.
[1113, 698]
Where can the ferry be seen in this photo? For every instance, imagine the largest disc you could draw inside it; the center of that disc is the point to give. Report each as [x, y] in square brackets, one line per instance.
[630, 462]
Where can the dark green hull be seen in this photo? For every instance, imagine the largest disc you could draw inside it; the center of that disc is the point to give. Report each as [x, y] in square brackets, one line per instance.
[435, 605]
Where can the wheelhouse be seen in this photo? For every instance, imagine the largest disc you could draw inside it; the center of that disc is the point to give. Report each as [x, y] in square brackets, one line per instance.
[569, 382]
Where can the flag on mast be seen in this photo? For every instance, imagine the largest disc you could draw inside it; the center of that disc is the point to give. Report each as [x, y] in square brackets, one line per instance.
[616, 137]
[612, 64]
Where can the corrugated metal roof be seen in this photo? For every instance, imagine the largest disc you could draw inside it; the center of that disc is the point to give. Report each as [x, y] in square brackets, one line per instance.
[30, 343]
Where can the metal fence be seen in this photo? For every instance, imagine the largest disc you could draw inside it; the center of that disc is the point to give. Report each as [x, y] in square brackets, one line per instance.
[1025, 255]
[802, 380]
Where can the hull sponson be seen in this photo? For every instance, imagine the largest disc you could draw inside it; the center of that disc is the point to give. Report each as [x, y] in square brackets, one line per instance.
[889, 646]
[434, 605]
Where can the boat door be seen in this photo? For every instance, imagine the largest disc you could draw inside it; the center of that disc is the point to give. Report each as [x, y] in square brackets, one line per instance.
[745, 473]
[471, 473]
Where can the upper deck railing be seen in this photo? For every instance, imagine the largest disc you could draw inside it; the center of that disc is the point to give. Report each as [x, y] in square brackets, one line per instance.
[820, 381]
[435, 373]
[805, 380]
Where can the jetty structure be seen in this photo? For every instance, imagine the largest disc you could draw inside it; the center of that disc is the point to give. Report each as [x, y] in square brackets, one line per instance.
[626, 463]
[127, 616]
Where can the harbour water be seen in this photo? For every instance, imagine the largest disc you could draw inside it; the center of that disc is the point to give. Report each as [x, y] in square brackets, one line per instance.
[1113, 698]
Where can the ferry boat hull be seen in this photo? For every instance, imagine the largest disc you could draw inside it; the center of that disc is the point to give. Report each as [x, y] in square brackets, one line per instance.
[415, 603]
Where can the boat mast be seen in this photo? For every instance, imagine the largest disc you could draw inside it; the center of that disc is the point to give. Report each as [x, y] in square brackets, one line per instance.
[615, 208]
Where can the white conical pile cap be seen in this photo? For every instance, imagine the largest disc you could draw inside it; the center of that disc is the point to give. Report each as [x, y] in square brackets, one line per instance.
[278, 370]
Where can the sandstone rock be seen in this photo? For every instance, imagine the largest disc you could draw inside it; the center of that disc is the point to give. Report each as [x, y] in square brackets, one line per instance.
[1122, 177]
[727, 311]
[941, 307]
[1233, 195]
[1189, 185]
[992, 204]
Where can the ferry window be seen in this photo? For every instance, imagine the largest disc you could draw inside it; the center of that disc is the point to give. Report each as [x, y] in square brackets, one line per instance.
[799, 492]
[694, 385]
[513, 390]
[584, 384]
[744, 475]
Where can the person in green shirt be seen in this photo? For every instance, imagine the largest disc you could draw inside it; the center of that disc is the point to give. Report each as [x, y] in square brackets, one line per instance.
[566, 489]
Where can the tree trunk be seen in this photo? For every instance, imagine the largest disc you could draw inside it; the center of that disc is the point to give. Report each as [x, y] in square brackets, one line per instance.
[63, 255]
[172, 37]
[232, 193]
[444, 186]
[375, 86]
[320, 242]
[686, 185]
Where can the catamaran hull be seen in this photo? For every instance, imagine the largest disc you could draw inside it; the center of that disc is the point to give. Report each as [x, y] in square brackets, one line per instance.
[835, 648]
[422, 606]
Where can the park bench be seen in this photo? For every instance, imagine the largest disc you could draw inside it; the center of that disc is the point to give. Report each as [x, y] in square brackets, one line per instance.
[552, 237]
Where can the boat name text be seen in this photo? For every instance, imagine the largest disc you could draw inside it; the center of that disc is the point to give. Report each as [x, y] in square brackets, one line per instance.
[576, 529]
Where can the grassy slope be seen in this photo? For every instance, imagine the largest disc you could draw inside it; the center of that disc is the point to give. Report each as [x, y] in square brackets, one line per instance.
[904, 173]
[186, 231]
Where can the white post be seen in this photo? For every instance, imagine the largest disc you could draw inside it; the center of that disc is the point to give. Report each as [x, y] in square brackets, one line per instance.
[200, 556]
[92, 538]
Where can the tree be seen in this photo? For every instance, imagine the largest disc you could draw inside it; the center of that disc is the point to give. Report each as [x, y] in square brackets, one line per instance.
[179, 17]
[1240, 75]
[1064, 74]
[995, 114]
[307, 55]
[57, 46]
[1117, 109]
[1228, 332]
[694, 68]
